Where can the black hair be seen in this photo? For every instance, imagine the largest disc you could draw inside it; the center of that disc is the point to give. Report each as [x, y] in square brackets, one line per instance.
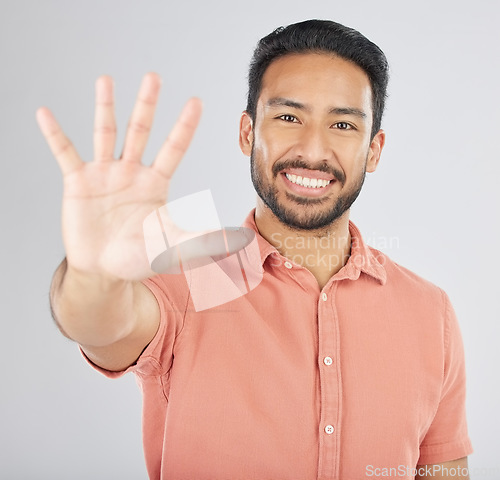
[321, 36]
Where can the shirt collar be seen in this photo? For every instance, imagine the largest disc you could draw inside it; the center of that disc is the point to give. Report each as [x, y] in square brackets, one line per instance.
[362, 258]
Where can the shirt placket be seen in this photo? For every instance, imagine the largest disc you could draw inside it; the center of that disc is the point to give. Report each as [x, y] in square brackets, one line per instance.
[330, 385]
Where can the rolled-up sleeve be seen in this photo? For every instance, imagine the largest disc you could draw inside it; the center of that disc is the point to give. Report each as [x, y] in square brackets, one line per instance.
[156, 359]
[447, 438]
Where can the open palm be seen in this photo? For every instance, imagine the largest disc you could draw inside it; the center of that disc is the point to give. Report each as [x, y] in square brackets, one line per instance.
[105, 201]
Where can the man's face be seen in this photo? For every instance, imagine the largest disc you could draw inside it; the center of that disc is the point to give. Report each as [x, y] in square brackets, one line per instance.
[310, 146]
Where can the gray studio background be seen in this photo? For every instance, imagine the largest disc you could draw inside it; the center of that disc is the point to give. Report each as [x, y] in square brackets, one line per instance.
[432, 205]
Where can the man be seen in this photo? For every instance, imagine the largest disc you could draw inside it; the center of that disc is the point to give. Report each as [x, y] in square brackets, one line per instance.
[340, 364]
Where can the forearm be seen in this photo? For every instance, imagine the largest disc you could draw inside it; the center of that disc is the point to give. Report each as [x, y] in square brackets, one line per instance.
[91, 309]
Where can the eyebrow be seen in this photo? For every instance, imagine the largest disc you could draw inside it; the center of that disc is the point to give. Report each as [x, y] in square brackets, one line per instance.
[286, 102]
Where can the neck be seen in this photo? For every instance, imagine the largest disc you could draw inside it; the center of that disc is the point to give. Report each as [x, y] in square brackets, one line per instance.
[323, 251]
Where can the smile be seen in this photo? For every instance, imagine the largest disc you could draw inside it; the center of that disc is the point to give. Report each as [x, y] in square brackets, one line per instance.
[307, 182]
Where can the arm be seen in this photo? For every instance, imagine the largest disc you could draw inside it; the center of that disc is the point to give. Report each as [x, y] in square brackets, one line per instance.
[112, 320]
[97, 296]
[454, 470]
[447, 436]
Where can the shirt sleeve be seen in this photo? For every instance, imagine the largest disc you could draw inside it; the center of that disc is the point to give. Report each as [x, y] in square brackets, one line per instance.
[156, 358]
[447, 437]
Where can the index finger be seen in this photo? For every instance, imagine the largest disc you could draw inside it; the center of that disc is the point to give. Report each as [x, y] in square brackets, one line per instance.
[59, 144]
[180, 137]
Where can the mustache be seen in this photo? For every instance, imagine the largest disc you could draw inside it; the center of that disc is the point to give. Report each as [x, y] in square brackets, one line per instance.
[299, 163]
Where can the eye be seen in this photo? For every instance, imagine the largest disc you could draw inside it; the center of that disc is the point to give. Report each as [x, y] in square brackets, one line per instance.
[288, 118]
[343, 126]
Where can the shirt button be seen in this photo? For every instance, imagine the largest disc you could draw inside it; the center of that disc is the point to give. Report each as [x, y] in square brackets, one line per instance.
[328, 361]
[323, 297]
[329, 429]
[288, 265]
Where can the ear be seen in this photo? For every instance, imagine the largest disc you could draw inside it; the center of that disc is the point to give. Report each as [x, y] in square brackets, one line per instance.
[376, 147]
[246, 134]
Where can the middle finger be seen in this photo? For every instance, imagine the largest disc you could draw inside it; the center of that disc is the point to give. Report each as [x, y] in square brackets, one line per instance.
[141, 118]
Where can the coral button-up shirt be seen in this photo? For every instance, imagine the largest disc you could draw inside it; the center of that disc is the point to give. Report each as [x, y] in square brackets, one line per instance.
[290, 382]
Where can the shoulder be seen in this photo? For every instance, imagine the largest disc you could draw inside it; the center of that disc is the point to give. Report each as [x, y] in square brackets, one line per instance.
[172, 288]
[405, 281]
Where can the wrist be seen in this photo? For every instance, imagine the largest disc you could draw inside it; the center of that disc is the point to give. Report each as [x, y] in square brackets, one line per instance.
[103, 281]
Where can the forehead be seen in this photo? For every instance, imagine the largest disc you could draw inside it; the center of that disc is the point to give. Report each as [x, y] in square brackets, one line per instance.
[316, 79]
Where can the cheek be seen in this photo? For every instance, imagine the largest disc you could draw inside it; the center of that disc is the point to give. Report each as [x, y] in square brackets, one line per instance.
[265, 149]
[352, 161]
[275, 145]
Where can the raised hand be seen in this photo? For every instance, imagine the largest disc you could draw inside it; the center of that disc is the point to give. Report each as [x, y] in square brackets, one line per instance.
[106, 200]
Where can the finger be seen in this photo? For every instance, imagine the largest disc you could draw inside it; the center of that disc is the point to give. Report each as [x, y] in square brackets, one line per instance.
[141, 118]
[180, 137]
[60, 145]
[104, 121]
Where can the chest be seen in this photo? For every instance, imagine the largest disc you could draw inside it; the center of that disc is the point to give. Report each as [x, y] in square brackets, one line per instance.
[282, 385]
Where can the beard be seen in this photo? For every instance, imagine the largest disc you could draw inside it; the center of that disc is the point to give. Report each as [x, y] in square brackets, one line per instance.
[309, 213]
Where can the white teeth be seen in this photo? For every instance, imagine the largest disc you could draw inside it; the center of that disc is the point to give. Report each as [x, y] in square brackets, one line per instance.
[307, 182]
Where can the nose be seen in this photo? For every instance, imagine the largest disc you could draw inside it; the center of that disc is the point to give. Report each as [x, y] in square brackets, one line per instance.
[314, 144]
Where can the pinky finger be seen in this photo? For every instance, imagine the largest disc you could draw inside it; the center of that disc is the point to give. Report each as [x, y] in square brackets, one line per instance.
[60, 145]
